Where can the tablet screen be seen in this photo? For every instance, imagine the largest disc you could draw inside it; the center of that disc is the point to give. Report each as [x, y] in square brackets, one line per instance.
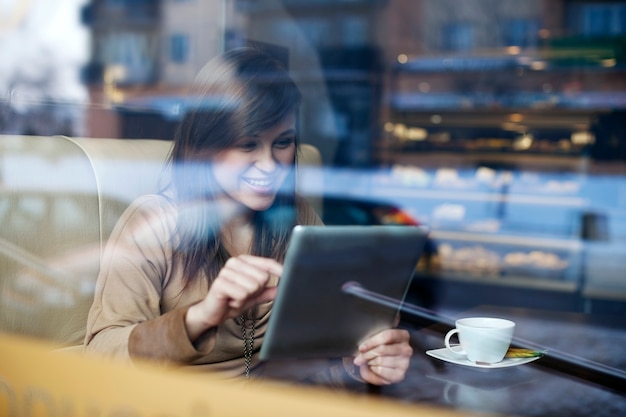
[312, 317]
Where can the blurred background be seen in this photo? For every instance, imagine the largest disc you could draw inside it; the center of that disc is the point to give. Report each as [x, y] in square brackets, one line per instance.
[497, 123]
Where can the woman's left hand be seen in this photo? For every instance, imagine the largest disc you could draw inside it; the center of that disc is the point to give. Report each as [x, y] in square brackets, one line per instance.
[384, 358]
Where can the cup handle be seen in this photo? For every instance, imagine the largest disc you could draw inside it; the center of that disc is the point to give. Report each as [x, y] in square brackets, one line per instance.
[447, 342]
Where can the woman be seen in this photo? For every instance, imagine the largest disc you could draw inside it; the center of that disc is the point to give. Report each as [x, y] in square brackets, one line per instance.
[189, 274]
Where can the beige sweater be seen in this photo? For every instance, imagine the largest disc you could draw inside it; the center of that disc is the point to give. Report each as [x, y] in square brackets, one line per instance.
[140, 302]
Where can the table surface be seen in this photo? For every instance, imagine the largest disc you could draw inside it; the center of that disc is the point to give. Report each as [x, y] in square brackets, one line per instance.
[571, 380]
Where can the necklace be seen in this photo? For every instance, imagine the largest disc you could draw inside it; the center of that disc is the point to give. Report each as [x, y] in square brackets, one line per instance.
[248, 342]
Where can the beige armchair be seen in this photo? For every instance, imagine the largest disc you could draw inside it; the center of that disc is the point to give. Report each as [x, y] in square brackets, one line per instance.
[59, 200]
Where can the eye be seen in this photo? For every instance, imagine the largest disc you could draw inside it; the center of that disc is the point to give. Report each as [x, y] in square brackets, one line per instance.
[284, 143]
[247, 146]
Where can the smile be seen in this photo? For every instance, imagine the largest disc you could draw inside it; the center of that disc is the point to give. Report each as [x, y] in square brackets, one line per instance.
[260, 184]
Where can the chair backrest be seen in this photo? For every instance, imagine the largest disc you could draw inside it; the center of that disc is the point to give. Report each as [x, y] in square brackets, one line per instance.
[59, 200]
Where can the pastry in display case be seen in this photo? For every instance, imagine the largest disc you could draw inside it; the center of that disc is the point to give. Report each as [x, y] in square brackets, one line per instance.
[493, 261]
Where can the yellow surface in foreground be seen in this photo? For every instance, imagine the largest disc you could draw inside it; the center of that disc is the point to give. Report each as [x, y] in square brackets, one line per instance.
[35, 381]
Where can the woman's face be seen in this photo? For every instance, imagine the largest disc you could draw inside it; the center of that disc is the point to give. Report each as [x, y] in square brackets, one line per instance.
[252, 170]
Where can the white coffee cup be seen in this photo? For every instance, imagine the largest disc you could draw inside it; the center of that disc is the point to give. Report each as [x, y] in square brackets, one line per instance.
[482, 339]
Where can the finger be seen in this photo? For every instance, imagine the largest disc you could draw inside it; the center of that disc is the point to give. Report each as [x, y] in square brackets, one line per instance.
[388, 369]
[396, 349]
[401, 350]
[381, 375]
[261, 268]
[243, 266]
[267, 295]
[395, 362]
[223, 300]
[266, 264]
[370, 376]
[242, 273]
[240, 296]
[234, 294]
[385, 337]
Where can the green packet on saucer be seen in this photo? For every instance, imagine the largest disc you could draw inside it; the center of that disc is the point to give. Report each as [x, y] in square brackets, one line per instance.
[522, 353]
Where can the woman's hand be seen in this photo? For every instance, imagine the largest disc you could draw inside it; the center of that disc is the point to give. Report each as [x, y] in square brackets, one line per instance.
[241, 284]
[384, 358]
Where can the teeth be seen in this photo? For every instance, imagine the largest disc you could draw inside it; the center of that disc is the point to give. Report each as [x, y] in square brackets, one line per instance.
[258, 183]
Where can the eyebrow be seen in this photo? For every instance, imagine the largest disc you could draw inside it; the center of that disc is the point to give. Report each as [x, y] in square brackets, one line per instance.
[289, 131]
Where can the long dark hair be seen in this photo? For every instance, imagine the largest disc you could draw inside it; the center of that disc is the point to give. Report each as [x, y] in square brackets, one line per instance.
[240, 93]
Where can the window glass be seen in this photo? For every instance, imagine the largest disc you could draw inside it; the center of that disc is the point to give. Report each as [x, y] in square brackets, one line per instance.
[497, 124]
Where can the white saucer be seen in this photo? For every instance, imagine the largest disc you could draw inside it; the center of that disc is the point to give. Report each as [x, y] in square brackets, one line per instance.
[445, 355]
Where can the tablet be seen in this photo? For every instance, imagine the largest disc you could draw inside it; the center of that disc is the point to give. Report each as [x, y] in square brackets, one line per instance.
[312, 315]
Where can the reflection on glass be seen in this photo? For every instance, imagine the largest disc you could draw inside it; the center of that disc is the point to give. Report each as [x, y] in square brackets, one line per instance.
[498, 124]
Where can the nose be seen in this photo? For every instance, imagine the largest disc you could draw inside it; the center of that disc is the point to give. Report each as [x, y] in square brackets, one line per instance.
[266, 160]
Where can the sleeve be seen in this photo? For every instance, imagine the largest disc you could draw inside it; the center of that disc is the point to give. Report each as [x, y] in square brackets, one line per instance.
[125, 320]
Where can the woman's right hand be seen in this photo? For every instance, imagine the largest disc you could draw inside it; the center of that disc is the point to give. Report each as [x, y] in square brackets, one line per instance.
[241, 284]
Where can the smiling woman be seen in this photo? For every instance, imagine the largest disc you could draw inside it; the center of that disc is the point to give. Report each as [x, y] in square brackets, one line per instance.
[189, 275]
[221, 225]
[243, 129]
